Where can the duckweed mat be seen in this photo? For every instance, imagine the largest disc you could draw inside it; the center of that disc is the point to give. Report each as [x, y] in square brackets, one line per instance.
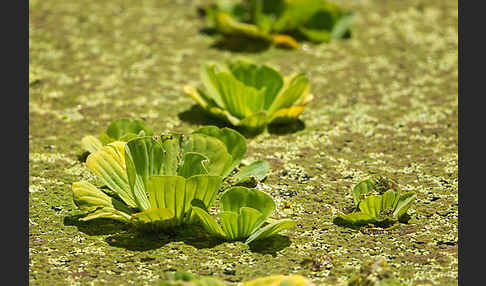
[385, 103]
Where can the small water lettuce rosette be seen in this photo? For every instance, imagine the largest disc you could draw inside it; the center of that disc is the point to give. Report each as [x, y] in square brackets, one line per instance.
[384, 209]
[151, 181]
[250, 95]
[280, 22]
[122, 129]
[183, 278]
[242, 216]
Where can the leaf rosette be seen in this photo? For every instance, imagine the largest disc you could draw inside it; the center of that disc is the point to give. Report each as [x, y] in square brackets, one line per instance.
[280, 22]
[152, 181]
[383, 209]
[250, 95]
[242, 216]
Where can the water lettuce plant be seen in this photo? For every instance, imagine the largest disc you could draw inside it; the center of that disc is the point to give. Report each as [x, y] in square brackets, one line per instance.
[280, 21]
[383, 209]
[250, 95]
[122, 129]
[242, 215]
[153, 180]
[184, 278]
[279, 280]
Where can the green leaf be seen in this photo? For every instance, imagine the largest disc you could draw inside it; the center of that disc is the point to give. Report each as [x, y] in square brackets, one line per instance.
[225, 23]
[342, 25]
[254, 124]
[211, 83]
[271, 229]
[89, 198]
[171, 143]
[200, 97]
[371, 205]
[265, 12]
[105, 139]
[145, 157]
[176, 193]
[357, 218]
[238, 197]
[295, 89]
[241, 100]
[257, 169]
[249, 219]
[224, 115]
[158, 217]
[235, 142]
[317, 36]
[389, 200]
[91, 144]
[286, 115]
[169, 192]
[125, 126]
[193, 164]
[299, 13]
[129, 136]
[204, 187]
[259, 77]
[404, 204]
[219, 158]
[229, 224]
[109, 165]
[361, 189]
[208, 222]
[107, 212]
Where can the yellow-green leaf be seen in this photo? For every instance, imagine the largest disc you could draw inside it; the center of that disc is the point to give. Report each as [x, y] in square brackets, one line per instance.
[208, 222]
[109, 165]
[159, 217]
[91, 144]
[271, 229]
[89, 198]
[107, 212]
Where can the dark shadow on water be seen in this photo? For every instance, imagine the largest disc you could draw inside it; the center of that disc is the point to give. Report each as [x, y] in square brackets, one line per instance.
[196, 115]
[130, 238]
[141, 240]
[138, 241]
[101, 226]
[124, 236]
[382, 224]
[288, 128]
[208, 31]
[83, 156]
[341, 222]
[270, 245]
[241, 44]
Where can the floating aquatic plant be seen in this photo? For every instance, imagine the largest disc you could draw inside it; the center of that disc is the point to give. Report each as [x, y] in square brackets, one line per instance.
[280, 21]
[183, 278]
[279, 280]
[250, 95]
[386, 207]
[243, 213]
[154, 180]
[122, 129]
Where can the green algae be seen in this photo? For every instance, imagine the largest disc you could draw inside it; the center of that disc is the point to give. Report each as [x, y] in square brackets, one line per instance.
[385, 103]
